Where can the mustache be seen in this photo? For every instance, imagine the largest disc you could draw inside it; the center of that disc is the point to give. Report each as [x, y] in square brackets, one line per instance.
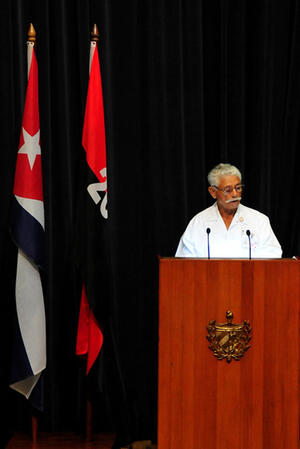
[233, 199]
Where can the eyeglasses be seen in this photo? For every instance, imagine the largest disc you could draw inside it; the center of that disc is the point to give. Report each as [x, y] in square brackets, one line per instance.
[229, 189]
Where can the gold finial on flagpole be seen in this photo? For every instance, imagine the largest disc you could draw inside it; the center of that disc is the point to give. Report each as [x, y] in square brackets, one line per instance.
[95, 33]
[31, 34]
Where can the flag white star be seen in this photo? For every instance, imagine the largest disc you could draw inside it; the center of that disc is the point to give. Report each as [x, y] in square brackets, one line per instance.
[31, 146]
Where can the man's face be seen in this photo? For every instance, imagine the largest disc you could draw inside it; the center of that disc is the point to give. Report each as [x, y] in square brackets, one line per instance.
[227, 201]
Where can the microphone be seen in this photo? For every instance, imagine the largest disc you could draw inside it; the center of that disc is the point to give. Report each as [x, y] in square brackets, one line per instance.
[249, 235]
[208, 251]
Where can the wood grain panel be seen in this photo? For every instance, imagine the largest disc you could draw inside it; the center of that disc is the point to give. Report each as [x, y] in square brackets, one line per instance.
[205, 403]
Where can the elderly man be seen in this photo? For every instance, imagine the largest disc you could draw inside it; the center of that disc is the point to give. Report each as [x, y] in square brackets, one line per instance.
[228, 229]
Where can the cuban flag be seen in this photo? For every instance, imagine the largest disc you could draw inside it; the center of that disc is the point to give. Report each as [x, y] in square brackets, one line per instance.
[27, 230]
[89, 335]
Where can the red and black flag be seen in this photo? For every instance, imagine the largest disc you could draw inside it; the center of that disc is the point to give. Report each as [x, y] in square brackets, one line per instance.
[93, 220]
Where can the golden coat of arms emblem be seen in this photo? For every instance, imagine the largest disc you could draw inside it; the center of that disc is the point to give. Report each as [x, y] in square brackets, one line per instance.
[229, 341]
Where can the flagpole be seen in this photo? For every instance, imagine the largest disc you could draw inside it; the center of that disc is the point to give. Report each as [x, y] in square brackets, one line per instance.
[31, 41]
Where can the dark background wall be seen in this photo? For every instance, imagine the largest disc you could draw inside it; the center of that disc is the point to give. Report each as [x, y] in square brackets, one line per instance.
[186, 85]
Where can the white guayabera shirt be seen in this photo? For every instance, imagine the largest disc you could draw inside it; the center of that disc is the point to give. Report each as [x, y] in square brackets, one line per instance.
[232, 242]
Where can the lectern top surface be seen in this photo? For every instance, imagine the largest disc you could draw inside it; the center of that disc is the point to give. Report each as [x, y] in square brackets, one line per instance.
[227, 258]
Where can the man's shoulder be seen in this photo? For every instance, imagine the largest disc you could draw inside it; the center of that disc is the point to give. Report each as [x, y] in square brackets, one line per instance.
[252, 213]
[208, 213]
[203, 217]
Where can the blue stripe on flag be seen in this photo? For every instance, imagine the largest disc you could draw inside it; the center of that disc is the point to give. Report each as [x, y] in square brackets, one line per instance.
[28, 234]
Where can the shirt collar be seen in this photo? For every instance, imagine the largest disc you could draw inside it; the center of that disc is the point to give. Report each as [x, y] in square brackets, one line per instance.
[238, 216]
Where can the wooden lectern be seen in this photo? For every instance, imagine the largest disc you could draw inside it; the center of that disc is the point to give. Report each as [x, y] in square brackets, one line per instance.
[206, 403]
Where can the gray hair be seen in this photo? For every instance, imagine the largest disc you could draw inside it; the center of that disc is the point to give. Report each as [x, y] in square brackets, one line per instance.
[221, 170]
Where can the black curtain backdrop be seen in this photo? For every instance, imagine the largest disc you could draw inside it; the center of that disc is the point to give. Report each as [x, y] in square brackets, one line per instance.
[186, 85]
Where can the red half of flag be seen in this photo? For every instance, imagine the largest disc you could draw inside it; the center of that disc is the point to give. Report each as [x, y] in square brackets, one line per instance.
[93, 136]
[89, 335]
